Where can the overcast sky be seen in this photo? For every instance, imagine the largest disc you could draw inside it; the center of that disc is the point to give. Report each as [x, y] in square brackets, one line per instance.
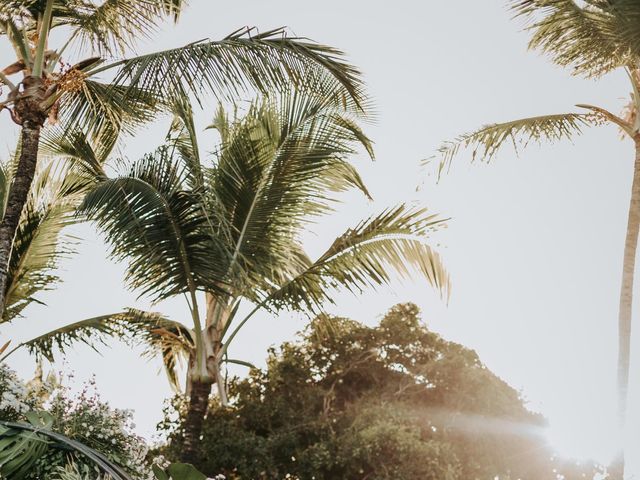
[534, 244]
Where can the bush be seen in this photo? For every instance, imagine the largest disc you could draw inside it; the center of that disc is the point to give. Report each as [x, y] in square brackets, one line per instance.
[84, 417]
[15, 398]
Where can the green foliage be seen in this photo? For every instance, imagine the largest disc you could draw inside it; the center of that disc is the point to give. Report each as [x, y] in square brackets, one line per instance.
[20, 449]
[87, 419]
[178, 471]
[74, 436]
[181, 224]
[15, 397]
[233, 227]
[593, 36]
[394, 401]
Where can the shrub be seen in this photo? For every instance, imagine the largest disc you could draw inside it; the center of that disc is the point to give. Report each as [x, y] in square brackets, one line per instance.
[84, 418]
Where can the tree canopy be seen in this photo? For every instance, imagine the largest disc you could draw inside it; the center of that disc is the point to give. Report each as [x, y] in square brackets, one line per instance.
[394, 401]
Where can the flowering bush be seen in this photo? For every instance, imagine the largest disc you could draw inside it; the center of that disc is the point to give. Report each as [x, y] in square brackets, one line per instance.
[83, 417]
[94, 423]
[15, 397]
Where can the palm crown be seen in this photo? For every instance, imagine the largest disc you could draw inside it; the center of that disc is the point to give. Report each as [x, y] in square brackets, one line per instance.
[136, 87]
[232, 229]
[87, 86]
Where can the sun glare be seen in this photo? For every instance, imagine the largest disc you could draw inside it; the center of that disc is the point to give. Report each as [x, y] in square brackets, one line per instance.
[583, 442]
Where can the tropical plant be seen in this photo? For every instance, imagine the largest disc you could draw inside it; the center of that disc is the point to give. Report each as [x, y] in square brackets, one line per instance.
[231, 229]
[15, 398]
[102, 95]
[22, 444]
[86, 418]
[592, 38]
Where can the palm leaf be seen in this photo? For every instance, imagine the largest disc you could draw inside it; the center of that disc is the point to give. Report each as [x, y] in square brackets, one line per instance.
[39, 243]
[593, 37]
[242, 62]
[157, 226]
[627, 12]
[183, 140]
[486, 141]
[171, 340]
[278, 168]
[111, 26]
[366, 256]
[86, 158]
[102, 111]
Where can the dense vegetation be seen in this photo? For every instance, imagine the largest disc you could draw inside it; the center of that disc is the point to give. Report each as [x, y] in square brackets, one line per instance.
[394, 401]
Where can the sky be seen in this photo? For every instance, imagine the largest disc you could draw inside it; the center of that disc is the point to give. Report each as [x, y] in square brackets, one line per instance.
[534, 241]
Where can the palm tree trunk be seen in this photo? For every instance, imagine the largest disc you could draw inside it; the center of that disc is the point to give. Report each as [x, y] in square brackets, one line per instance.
[200, 384]
[17, 198]
[194, 420]
[625, 310]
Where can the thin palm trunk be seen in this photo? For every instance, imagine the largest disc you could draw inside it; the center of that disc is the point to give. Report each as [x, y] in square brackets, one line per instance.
[17, 198]
[198, 392]
[200, 385]
[193, 422]
[625, 312]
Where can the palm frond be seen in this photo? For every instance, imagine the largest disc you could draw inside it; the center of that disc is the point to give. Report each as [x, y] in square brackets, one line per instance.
[593, 37]
[366, 256]
[111, 27]
[242, 62]
[183, 140]
[40, 243]
[102, 111]
[628, 14]
[87, 158]
[485, 142]
[169, 340]
[279, 167]
[154, 223]
[159, 335]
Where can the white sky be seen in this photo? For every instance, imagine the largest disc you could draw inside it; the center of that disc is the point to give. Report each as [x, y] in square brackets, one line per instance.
[534, 244]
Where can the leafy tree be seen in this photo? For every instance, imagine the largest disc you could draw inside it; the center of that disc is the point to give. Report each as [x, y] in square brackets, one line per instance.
[592, 38]
[102, 94]
[394, 401]
[232, 229]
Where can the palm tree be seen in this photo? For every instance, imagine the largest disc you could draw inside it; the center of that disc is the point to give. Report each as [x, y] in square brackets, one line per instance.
[103, 93]
[231, 229]
[592, 39]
